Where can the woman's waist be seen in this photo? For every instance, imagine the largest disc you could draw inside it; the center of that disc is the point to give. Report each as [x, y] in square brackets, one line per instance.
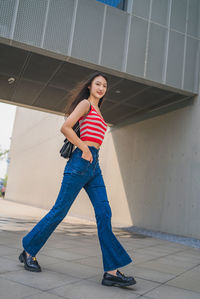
[92, 143]
[93, 149]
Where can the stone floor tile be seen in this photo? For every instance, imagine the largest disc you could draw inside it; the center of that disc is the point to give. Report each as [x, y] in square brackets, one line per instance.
[86, 250]
[93, 261]
[87, 289]
[194, 251]
[150, 274]
[48, 260]
[129, 243]
[157, 265]
[64, 254]
[44, 280]
[141, 287]
[57, 245]
[143, 297]
[10, 289]
[197, 269]
[176, 244]
[42, 259]
[69, 242]
[132, 246]
[72, 265]
[190, 254]
[152, 251]
[139, 258]
[148, 242]
[88, 239]
[167, 292]
[178, 261]
[186, 258]
[12, 257]
[188, 281]
[167, 249]
[168, 244]
[74, 269]
[42, 295]
[15, 244]
[4, 250]
[8, 265]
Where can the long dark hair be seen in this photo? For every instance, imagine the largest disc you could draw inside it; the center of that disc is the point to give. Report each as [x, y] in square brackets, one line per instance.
[81, 92]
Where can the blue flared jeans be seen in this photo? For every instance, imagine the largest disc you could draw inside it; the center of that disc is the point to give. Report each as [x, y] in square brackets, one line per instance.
[80, 173]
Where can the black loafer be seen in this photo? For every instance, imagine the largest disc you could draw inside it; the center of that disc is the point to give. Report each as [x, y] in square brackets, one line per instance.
[120, 279]
[30, 262]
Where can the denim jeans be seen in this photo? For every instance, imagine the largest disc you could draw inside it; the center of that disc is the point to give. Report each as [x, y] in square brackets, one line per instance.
[80, 173]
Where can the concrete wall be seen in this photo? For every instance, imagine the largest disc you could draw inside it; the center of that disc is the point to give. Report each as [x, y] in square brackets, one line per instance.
[151, 169]
[36, 168]
[159, 162]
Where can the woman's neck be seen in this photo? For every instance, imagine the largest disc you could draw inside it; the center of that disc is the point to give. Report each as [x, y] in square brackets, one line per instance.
[94, 102]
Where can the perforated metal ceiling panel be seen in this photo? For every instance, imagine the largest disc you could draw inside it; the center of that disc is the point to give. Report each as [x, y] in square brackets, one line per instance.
[12, 60]
[26, 91]
[44, 83]
[124, 90]
[84, 47]
[5, 90]
[40, 68]
[148, 97]
[114, 38]
[58, 26]
[68, 75]
[50, 97]
[155, 41]
[30, 21]
[6, 15]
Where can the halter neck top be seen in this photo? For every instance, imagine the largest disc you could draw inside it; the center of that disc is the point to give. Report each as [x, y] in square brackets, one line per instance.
[92, 127]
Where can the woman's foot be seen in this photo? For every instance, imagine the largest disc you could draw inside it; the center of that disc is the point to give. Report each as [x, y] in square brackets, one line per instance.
[30, 262]
[113, 272]
[118, 279]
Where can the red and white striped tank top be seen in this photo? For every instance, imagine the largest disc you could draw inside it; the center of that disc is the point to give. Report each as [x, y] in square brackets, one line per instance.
[92, 127]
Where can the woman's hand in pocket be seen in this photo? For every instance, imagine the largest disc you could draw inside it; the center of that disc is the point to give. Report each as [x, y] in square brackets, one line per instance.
[87, 155]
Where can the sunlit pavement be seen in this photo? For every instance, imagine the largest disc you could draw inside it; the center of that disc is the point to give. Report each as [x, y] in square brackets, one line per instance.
[72, 264]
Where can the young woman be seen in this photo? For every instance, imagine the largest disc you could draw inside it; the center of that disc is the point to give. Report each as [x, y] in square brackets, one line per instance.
[83, 171]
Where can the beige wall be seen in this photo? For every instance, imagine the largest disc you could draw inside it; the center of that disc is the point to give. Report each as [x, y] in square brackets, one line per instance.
[36, 168]
[151, 169]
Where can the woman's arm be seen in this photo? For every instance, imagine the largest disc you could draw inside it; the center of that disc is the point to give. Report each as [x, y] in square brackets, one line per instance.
[81, 109]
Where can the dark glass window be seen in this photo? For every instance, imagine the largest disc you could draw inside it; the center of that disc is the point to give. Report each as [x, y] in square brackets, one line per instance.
[115, 3]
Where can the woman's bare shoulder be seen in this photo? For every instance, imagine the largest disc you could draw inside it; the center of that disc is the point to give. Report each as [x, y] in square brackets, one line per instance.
[84, 105]
[84, 102]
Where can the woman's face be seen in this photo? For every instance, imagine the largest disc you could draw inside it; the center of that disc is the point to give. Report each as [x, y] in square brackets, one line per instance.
[98, 87]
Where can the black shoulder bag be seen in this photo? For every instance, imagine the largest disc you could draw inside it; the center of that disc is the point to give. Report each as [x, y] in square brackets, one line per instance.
[67, 148]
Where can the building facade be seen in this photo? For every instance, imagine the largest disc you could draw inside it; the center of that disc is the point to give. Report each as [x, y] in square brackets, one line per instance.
[151, 153]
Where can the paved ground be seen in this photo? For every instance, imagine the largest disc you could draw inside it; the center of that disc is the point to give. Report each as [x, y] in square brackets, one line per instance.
[72, 264]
